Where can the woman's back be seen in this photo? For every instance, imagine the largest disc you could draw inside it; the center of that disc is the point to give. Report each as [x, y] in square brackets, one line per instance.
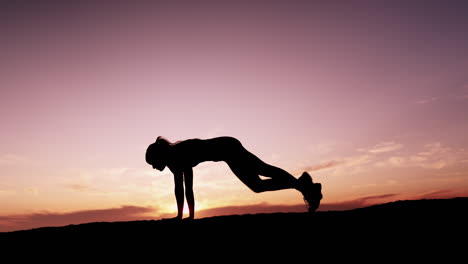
[195, 151]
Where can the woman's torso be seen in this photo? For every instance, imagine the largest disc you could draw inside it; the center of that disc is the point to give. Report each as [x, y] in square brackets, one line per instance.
[191, 152]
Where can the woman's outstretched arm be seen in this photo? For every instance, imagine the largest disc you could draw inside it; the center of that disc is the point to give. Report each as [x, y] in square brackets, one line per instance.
[179, 193]
[188, 177]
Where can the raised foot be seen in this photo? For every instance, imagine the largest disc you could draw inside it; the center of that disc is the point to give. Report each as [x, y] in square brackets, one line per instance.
[312, 192]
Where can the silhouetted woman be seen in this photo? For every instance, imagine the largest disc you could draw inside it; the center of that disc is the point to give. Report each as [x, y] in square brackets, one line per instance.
[182, 156]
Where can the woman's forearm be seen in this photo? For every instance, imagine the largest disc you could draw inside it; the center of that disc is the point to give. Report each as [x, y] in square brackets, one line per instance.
[179, 194]
[190, 202]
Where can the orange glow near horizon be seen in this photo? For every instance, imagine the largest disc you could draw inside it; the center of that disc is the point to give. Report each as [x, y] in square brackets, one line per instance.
[371, 102]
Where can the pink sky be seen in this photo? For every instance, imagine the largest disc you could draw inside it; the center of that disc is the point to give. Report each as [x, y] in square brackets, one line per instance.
[371, 99]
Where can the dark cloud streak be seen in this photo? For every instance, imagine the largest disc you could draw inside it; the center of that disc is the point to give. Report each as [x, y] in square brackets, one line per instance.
[359, 202]
[28, 221]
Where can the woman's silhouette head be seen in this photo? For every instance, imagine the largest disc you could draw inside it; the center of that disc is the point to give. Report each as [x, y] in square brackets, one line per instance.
[157, 152]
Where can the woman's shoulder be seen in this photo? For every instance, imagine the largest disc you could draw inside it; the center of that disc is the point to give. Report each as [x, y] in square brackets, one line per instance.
[188, 143]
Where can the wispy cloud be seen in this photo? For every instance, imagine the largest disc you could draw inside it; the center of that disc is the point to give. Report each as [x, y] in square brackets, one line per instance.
[340, 165]
[391, 154]
[433, 156]
[322, 148]
[79, 187]
[323, 165]
[442, 193]
[79, 183]
[12, 159]
[427, 100]
[384, 147]
[28, 221]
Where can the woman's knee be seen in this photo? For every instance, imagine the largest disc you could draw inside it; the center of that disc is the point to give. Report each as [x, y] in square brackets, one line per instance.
[256, 188]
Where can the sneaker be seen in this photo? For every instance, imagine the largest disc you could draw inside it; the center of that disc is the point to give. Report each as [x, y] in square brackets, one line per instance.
[313, 196]
[312, 192]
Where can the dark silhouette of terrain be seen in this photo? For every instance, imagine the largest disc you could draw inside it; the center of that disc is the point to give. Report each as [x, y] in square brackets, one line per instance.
[390, 218]
[401, 230]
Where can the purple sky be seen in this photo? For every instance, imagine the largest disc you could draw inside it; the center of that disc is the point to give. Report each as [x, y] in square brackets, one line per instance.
[369, 96]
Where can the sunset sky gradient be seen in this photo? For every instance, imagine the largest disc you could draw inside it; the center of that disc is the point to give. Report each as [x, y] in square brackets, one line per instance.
[370, 97]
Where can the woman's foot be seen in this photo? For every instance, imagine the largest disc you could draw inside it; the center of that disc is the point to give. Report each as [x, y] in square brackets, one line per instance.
[313, 197]
[312, 192]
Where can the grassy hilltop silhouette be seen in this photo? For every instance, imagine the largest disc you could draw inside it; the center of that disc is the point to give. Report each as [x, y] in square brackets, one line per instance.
[433, 217]
[402, 230]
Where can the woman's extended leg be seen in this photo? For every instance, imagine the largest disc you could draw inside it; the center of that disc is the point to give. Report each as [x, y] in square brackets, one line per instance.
[249, 167]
